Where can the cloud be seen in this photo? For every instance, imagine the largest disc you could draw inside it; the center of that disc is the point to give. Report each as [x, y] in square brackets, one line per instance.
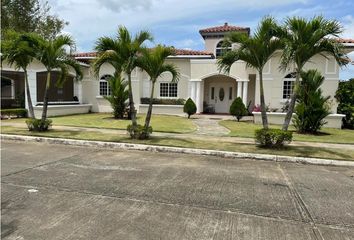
[348, 25]
[188, 43]
[120, 5]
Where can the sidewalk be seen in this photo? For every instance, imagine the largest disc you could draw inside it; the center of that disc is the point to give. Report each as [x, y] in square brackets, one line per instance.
[202, 133]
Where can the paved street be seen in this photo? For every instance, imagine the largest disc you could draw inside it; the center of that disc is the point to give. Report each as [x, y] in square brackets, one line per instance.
[64, 192]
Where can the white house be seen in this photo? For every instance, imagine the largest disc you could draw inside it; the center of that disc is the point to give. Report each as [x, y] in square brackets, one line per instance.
[200, 80]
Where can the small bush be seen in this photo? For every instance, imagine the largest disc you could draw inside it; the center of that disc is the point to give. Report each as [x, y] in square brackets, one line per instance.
[189, 107]
[139, 132]
[238, 109]
[345, 97]
[38, 125]
[16, 112]
[161, 101]
[273, 138]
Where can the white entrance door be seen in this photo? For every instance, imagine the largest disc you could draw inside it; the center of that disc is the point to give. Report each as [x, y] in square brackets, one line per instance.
[221, 96]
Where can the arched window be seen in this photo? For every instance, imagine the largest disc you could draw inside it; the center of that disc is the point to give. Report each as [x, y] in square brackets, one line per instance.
[222, 48]
[288, 85]
[105, 90]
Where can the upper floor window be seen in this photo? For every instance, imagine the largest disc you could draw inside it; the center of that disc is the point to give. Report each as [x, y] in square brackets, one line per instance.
[288, 85]
[222, 48]
[168, 89]
[105, 90]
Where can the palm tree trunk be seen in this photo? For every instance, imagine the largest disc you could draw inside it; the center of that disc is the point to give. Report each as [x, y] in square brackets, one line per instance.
[149, 112]
[45, 99]
[29, 100]
[263, 106]
[131, 101]
[289, 114]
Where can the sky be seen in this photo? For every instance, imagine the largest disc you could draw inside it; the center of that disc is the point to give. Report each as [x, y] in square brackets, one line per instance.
[177, 22]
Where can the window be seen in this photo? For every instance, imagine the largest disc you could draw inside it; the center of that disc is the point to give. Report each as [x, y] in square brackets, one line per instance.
[105, 90]
[168, 90]
[7, 88]
[222, 48]
[212, 93]
[288, 86]
[230, 93]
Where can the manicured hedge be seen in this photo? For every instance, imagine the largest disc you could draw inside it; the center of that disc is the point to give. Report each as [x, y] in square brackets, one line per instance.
[15, 112]
[163, 101]
[273, 138]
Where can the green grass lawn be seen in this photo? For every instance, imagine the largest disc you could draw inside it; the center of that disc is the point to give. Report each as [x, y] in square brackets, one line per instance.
[159, 123]
[303, 151]
[328, 135]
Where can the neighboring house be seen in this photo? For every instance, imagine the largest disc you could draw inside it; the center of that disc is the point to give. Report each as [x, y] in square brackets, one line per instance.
[200, 80]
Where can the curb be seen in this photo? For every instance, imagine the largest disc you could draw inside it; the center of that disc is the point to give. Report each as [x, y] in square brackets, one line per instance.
[154, 148]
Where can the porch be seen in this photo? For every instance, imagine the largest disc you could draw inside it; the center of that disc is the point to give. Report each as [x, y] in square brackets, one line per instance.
[215, 93]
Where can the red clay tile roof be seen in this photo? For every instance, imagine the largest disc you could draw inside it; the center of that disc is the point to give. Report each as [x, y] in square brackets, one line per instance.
[343, 40]
[178, 52]
[191, 52]
[85, 54]
[223, 28]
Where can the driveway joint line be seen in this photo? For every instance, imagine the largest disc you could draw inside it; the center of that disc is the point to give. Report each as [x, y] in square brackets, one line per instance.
[37, 166]
[228, 211]
[304, 211]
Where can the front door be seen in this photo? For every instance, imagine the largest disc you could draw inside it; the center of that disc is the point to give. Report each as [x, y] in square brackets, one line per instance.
[221, 96]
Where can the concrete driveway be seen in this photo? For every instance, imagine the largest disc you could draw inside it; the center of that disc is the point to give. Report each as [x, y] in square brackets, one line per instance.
[63, 192]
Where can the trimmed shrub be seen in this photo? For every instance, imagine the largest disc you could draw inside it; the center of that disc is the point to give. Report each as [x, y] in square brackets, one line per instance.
[16, 112]
[311, 108]
[189, 107]
[139, 132]
[345, 97]
[238, 109]
[162, 101]
[38, 125]
[273, 138]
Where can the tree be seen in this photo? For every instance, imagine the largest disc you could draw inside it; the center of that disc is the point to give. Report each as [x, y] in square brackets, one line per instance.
[238, 109]
[52, 54]
[303, 39]
[255, 51]
[20, 50]
[119, 95]
[153, 63]
[189, 107]
[311, 108]
[122, 52]
[345, 97]
[29, 16]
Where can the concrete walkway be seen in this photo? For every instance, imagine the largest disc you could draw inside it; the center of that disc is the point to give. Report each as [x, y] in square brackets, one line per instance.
[208, 129]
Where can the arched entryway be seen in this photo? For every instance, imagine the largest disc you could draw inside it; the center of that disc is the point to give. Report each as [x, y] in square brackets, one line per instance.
[219, 93]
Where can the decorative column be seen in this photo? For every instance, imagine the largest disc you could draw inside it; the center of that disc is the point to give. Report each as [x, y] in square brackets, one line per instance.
[239, 88]
[196, 93]
[197, 97]
[245, 91]
[32, 82]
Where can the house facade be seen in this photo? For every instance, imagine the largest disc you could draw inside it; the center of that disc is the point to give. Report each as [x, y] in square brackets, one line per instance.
[212, 91]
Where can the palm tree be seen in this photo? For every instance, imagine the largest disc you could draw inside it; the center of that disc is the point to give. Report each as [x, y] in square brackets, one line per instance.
[52, 55]
[20, 50]
[122, 53]
[304, 39]
[119, 95]
[255, 51]
[153, 63]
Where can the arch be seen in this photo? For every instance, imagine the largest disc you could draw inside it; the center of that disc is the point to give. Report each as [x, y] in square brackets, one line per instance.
[218, 74]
